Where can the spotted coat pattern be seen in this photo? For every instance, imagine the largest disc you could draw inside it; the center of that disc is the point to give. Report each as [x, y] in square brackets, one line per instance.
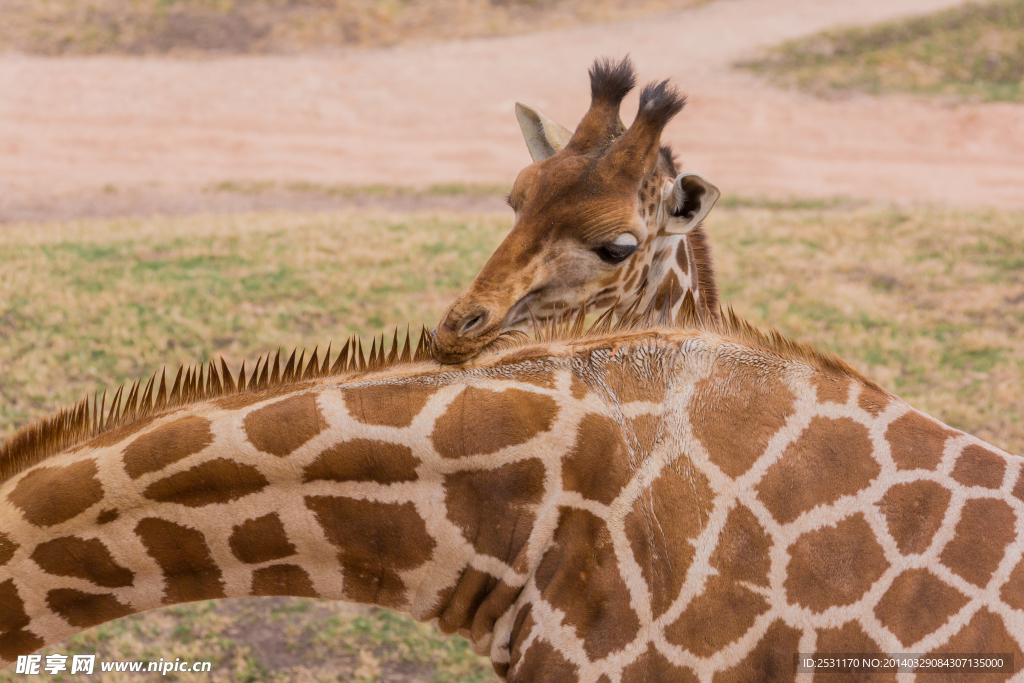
[660, 506]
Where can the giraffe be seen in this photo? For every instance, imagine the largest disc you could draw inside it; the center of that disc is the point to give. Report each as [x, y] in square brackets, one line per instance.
[639, 503]
[602, 218]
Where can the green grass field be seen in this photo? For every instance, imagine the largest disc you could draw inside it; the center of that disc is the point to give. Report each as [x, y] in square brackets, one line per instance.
[929, 303]
[975, 51]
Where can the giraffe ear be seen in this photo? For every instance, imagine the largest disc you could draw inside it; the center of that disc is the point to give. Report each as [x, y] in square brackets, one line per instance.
[685, 202]
[544, 137]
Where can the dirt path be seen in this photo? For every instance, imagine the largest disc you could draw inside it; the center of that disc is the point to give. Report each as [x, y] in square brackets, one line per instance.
[123, 135]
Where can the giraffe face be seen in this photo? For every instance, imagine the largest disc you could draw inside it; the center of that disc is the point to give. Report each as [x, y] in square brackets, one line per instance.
[588, 213]
[577, 229]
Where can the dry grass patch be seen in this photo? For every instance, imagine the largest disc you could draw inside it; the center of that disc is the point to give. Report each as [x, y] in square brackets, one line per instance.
[59, 27]
[275, 640]
[94, 303]
[928, 303]
[974, 51]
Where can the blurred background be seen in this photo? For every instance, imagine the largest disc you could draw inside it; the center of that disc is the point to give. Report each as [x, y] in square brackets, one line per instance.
[183, 179]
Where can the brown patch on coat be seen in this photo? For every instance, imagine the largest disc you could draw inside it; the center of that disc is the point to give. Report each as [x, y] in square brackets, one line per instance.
[643, 274]
[184, 558]
[388, 405]
[834, 566]
[653, 666]
[916, 441]
[84, 610]
[283, 579]
[771, 661]
[628, 285]
[1012, 591]
[18, 642]
[522, 627]
[916, 604]
[1018, 488]
[700, 255]
[494, 508]
[872, 400]
[376, 541]
[831, 389]
[914, 512]
[664, 520]
[579, 574]
[475, 604]
[718, 616]
[850, 638]
[832, 458]
[51, 495]
[984, 634]
[497, 603]
[82, 558]
[598, 466]
[743, 548]
[7, 548]
[577, 388]
[646, 433]
[735, 413]
[469, 592]
[985, 528]
[14, 639]
[543, 662]
[107, 516]
[364, 460]
[283, 426]
[481, 421]
[978, 466]
[167, 444]
[669, 292]
[260, 540]
[681, 258]
[214, 481]
[544, 380]
[626, 385]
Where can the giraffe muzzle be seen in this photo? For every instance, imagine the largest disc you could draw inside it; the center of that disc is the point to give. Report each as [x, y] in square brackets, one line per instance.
[460, 336]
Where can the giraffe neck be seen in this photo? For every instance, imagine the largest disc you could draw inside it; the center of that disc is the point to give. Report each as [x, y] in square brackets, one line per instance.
[669, 266]
[667, 506]
[346, 492]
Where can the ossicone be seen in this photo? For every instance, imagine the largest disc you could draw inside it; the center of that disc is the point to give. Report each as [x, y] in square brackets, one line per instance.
[610, 81]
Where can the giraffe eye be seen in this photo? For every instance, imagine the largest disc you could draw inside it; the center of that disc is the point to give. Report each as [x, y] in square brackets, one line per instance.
[618, 250]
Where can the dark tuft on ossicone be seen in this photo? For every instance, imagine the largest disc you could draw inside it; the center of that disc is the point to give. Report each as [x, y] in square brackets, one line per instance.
[659, 102]
[610, 82]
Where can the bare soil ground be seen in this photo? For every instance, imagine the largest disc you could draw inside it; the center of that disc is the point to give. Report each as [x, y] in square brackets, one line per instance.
[121, 135]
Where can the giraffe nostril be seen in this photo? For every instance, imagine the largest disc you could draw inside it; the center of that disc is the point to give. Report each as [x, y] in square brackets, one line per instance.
[473, 322]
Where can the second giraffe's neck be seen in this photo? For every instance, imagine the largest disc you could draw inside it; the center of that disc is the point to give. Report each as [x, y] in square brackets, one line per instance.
[673, 265]
[576, 507]
[669, 266]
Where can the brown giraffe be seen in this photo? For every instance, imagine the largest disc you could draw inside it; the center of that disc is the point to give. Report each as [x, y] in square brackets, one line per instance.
[602, 218]
[663, 505]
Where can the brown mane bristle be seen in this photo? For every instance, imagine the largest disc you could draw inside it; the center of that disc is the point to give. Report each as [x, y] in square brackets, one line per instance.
[86, 420]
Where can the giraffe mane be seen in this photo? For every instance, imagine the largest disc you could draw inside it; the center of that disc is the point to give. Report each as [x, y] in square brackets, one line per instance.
[85, 420]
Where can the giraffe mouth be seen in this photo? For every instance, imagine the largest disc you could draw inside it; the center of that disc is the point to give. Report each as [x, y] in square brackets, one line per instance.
[460, 336]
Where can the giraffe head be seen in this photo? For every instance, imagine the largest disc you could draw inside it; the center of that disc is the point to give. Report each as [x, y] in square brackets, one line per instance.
[601, 216]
